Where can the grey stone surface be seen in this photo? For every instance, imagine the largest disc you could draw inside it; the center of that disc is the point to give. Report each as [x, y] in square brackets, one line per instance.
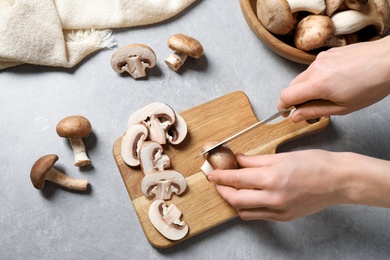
[102, 224]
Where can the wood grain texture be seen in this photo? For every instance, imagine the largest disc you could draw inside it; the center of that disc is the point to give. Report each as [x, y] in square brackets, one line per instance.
[201, 205]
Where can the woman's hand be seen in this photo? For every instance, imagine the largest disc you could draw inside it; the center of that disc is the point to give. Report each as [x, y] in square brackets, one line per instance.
[287, 186]
[340, 81]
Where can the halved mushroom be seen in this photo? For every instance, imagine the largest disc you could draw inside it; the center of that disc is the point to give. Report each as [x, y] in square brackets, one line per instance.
[152, 158]
[131, 143]
[221, 158]
[163, 184]
[157, 117]
[166, 219]
[134, 59]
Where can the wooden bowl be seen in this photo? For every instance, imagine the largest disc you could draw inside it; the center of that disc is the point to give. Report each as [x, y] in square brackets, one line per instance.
[281, 45]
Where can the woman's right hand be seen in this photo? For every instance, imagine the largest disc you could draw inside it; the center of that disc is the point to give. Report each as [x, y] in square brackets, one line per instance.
[340, 81]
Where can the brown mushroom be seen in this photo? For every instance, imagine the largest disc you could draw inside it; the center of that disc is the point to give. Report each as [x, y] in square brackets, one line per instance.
[43, 170]
[220, 158]
[166, 219]
[75, 128]
[315, 31]
[277, 15]
[183, 46]
[134, 59]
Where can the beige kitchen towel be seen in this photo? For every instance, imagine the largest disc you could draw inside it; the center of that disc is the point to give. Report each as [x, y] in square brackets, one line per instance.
[61, 33]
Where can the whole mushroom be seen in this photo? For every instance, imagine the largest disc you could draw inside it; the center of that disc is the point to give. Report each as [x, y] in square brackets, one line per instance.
[315, 31]
[375, 13]
[75, 128]
[134, 59]
[277, 15]
[220, 158]
[183, 46]
[43, 170]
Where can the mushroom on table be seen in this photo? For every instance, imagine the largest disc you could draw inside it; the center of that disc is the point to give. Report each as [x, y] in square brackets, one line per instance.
[43, 170]
[183, 46]
[75, 128]
[134, 58]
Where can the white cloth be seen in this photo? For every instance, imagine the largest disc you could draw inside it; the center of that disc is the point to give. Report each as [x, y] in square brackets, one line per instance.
[62, 32]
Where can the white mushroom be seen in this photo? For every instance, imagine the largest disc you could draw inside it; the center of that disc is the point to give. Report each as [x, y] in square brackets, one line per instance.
[183, 46]
[166, 219]
[134, 59]
[152, 158]
[178, 131]
[277, 15]
[163, 184]
[131, 143]
[157, 117]
[375, 13]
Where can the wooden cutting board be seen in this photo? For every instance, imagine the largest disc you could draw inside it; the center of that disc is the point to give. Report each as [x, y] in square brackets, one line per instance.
[201, 205]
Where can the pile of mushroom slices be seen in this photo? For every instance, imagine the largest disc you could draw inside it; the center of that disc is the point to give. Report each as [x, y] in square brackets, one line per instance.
[324, 23]
[148, 129]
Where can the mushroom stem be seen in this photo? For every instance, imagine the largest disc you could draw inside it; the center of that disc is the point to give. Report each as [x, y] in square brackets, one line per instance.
[136, 67]
[79, 151]
[63, 180]
[176, 60]
[314, 7]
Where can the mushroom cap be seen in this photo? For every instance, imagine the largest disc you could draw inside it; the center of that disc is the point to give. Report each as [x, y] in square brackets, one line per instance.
[144, 52]
[178, 131]
[383, 9]
[275, 15]
[185, 44]
[221, 157]
[313, 31]
[74, 127]
[40, 168]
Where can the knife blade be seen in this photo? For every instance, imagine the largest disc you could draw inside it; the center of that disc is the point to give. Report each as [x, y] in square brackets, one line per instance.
[262, 122]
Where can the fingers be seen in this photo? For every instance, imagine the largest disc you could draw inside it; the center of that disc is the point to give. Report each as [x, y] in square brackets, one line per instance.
[247, 161]
[246, 178]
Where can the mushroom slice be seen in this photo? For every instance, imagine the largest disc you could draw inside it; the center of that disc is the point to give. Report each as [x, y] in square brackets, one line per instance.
[131, 143]
[152, 158]
[220, 158]
[166, 219]
[157, 117]
[163, 184]
[134, 59]
[178, 131]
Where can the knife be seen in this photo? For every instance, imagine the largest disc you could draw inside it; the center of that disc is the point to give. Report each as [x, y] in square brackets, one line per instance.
[262, 122]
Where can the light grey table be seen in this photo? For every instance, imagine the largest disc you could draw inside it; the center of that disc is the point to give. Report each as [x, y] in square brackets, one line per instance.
[102, 224]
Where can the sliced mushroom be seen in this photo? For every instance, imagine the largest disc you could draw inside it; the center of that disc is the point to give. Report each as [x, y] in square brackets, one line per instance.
[163, 184]
[157, 117]
[166, 219]
[221, 158]
[131, 143]
[152, 158]
[178, 131]
[134, 59]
